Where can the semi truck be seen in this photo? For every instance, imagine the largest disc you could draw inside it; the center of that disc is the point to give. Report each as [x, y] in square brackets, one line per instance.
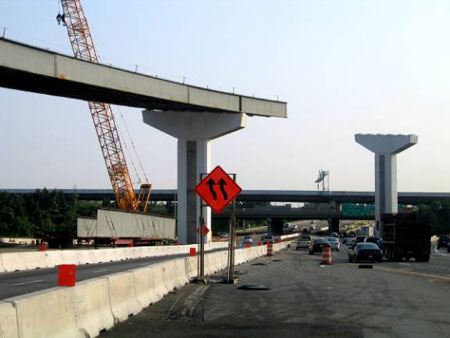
[365, 230]
[405, 236]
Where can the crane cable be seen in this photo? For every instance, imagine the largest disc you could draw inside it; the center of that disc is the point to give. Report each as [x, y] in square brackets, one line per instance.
[134, 148]
[127, 151]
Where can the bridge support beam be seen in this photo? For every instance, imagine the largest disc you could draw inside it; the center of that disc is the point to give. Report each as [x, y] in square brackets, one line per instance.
[194, 131]
[386, 148]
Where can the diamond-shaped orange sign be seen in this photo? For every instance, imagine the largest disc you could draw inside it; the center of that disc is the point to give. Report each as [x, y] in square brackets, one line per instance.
[218, 189]
[205, 230]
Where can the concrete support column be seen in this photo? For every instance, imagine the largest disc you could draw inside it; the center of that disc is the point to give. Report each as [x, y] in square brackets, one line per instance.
[194, 158]
[194, 131]
[333, 225]
[276, 226]
[386, 200]
[386, 148]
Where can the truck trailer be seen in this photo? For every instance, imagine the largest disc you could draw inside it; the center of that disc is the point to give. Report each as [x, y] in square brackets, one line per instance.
[405, 237]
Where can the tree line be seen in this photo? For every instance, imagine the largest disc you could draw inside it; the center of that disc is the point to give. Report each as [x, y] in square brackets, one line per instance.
[41, 213]
[49, 212]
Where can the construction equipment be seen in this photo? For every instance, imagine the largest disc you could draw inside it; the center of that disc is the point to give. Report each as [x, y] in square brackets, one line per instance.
[105, 125]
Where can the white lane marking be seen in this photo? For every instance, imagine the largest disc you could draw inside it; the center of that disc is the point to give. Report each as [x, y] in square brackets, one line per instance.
[440, 253]
[101, 270]
[30, 282]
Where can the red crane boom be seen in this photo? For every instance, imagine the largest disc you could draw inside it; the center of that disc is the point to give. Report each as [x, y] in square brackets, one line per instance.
[105, 125]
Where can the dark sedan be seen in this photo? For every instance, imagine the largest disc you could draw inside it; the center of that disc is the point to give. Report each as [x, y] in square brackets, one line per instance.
[443, 241]
[365, 252]
[318, 244]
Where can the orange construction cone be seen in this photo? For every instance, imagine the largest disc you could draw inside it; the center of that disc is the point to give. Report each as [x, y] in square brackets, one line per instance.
[326, 257]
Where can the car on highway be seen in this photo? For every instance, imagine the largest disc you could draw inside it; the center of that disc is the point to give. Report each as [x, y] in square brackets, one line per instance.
[267, 239]
[305, 237]
[358, 239]
[334, 242]
[247, 239]
[317, 245]
[303, 243]
[350, 241]
[377, 240]
[443, 241]
[364, 251]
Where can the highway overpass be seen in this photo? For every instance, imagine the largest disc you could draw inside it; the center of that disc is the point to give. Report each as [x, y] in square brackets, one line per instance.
[265, 195]
[289, 214]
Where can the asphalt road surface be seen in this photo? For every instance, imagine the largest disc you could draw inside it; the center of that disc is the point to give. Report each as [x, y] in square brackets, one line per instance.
[21, 282]
[307, 299]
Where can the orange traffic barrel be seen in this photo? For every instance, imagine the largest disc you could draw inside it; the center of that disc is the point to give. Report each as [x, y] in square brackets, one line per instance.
[326, 255]
[269, 249]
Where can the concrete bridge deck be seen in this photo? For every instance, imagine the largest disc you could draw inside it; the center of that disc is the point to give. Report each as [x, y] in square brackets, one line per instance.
[28, 68]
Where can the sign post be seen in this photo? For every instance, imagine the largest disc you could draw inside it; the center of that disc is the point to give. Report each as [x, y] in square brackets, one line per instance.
[232, 241]
[218, 190]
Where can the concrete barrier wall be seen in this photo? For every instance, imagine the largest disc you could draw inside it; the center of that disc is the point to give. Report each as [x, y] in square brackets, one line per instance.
[13, 261]
[97, 304]
[93, 307]
[70, 257]
[49, 313]
[29, 260]
[8, 321]
[53, 258]
[122, 295]
[2, 269]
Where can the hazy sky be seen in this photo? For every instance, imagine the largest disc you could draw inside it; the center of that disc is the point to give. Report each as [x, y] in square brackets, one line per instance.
[344, 67]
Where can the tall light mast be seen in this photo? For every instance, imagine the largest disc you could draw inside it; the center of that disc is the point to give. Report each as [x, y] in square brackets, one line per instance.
[105, 125]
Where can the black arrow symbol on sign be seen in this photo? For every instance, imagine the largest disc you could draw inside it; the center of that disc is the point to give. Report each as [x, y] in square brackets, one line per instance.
[211, 184]
[222, 183]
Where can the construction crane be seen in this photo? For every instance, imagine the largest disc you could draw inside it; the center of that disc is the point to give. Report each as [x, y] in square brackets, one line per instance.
[83, 48]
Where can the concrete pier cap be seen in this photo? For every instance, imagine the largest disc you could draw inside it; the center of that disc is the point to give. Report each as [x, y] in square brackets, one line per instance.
[386, 144]
[194, 131]
[386, 148]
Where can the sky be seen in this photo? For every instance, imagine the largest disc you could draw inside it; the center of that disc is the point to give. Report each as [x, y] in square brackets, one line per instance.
[344, 67]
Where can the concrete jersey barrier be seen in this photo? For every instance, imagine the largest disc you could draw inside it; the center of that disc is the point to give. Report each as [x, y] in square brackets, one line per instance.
[93, 307]
[8, 321]
[30, 260]
[97, 304]
[50, 313]
[2, 269]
